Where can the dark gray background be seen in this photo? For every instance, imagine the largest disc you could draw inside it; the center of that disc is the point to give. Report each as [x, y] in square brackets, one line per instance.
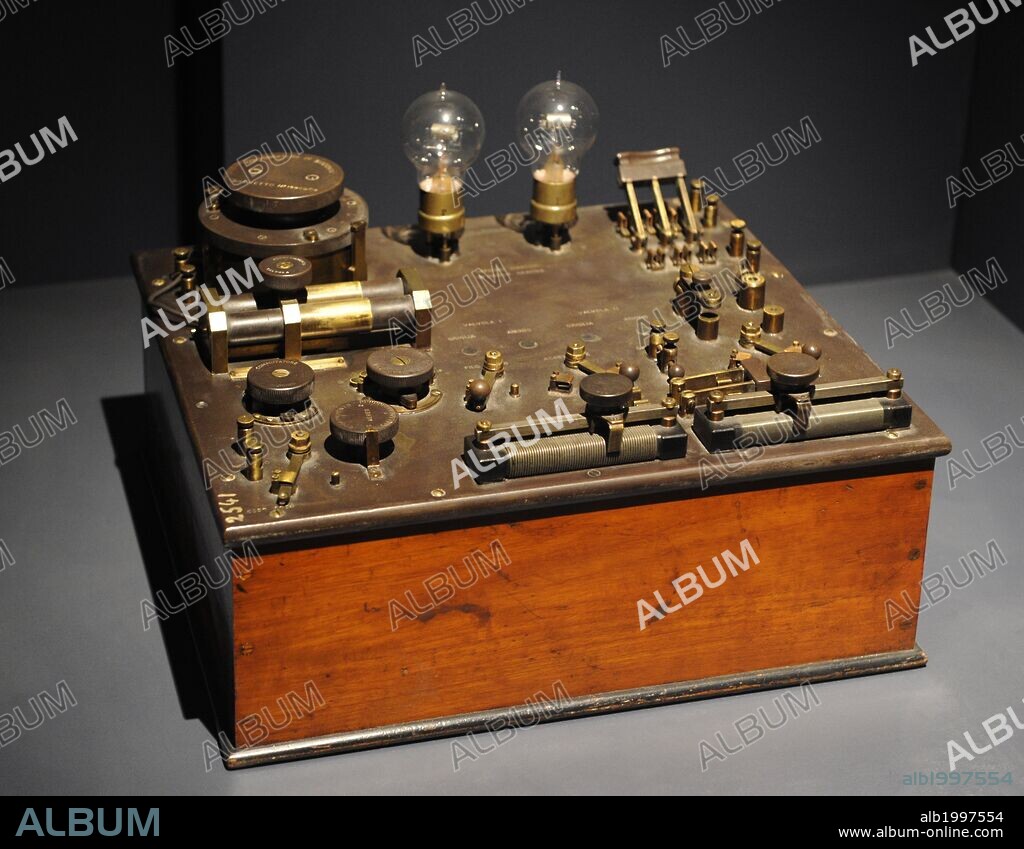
[869, 201]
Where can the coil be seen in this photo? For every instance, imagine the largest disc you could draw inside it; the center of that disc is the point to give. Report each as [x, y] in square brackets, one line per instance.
[576, 451]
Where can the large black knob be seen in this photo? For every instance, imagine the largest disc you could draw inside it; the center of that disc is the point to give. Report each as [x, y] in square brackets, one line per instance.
[791, 371]
[605, 392]
[280, 383]
[400, 369]
[286, 273]
[354, 422]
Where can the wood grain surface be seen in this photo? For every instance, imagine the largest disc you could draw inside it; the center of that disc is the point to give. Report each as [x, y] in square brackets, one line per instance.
[563, 606]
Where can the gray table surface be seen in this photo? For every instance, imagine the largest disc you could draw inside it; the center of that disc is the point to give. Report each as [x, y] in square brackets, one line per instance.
[70, 603]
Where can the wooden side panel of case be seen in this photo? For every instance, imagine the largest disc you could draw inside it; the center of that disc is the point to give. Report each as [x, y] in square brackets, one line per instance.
[559, 604]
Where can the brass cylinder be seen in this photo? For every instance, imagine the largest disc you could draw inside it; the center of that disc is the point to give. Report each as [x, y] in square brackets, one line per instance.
[553, 203]
[707, 326]
[331, 318]
[737, 237]
[440, 212]
[754, 255]
[773, 318]
[751, 296]
[711, 211]
[696, 195]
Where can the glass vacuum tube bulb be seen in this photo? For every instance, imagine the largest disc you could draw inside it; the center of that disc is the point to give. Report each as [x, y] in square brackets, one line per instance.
[557, 122]
[442, 132]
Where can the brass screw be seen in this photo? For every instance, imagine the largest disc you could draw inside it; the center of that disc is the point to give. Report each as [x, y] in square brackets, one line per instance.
[575, 353]
[749, 334]
[494, 361]
[513, 390]
[310, 235]
[483, 427]
[246, 649]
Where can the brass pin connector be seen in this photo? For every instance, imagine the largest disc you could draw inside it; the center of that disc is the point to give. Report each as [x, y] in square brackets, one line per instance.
[737, 237]
[711, 211]
[754, 255]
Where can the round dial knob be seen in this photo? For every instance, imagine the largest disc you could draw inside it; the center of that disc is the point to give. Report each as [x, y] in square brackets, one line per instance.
[280, 382]
[351, 423]
[606, 391]
[792, 372]
[399, 368]
[301, 184]
[285, 273]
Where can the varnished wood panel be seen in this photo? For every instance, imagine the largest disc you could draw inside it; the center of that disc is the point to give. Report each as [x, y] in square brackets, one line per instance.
[565, 608]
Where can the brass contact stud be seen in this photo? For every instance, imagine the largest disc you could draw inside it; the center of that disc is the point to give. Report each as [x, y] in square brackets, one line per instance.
[773, 318]
[188, 276]
[696, 195]
[668, 416]
[750, 333]
[676, 386]
[483, 427]
[751, 296]
[254, 456]
[575, 353]
[754, 255]
[707, 326]
[687, 402]
[181, 256]
[513, 390]
[711, 211]
[896, 392]
[737, 237]
[245, 425]
[716, 412]
[300, 442]
[494, 361]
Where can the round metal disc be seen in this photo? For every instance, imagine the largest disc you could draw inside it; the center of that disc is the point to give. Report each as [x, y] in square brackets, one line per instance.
[351, 422]
[606, 391]
[280, 382]
[284, 273]
[792, 371]
[399, 368]
[299, 184]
